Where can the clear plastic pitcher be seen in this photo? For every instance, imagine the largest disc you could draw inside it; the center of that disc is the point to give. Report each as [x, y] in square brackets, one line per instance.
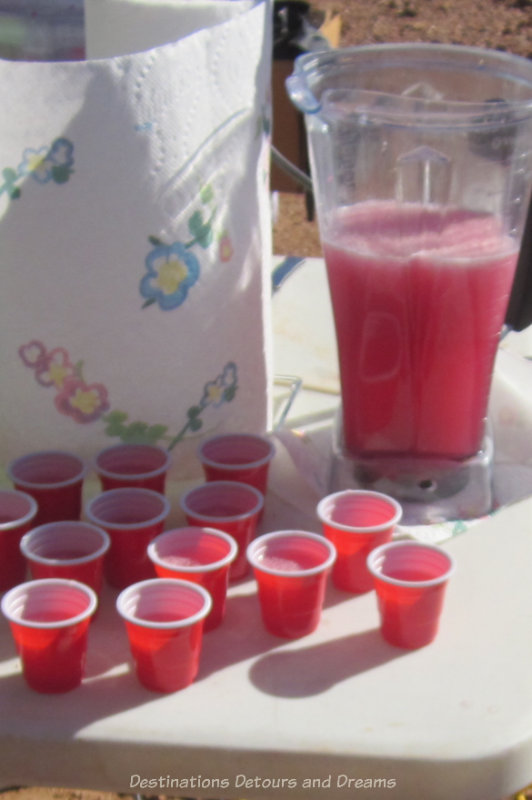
[421, 165]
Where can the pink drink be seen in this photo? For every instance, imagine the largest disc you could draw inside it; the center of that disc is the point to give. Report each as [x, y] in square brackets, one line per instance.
[182, 561]
[65, 553]
[198, 554]
[410, 580]
[132, 517]
[419, 295]
[73, 550]
[164, 622]
[291, 570]
[288, 562]
[125, 465]
[241, 457]
[49, 621]
[230, 506]
[17, 514]
[54, 479]
[356, 522]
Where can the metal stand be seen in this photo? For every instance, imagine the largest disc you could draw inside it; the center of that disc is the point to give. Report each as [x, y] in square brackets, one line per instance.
[430, 490]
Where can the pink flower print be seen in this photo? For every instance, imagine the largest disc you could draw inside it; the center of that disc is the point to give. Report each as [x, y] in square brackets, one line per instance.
[81, 401]
[55, 368]
[225, 248]
[33, 354]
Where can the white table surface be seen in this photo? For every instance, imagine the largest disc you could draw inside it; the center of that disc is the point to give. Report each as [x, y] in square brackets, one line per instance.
[453, 720]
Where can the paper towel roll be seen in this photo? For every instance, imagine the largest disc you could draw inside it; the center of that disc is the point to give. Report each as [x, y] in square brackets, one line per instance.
[135, 242]
[117, 27]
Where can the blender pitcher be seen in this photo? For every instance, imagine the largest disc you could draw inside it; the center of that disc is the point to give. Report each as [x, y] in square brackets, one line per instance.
[421, 166]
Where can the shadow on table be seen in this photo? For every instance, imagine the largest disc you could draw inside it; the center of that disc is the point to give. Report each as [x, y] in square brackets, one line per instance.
[334, 596]
[241, 636]
[7, 646]
[311, 670]
[71, 711]
[109, 685]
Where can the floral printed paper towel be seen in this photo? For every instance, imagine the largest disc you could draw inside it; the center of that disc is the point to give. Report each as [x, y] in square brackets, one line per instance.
[135, 243]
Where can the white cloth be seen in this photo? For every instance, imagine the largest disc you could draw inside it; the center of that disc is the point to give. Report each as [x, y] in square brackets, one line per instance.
[135, 237]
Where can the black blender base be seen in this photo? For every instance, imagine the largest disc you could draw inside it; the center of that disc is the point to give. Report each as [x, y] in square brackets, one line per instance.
[429, 490]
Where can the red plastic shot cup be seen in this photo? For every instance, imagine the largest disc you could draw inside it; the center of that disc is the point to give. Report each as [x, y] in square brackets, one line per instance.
[230, 506]
[200, 555]
[291, 569]
[17, 513]
[243, 457]
[132, 518]
[357, 521]
[54, 478]
[164, 622]
[72, 550]
[410, 580]
[49, 621]
[138, 465]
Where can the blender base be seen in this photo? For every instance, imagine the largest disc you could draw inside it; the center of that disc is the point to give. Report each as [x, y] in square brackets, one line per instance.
[429, 490]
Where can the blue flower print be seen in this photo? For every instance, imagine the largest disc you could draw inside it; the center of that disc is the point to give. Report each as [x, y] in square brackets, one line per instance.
[45, 164]
[34, 164]
[170, 272]
[60, 159]
[222, 389]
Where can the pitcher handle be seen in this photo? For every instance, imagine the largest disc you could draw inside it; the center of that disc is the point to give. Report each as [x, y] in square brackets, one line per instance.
[300, 94]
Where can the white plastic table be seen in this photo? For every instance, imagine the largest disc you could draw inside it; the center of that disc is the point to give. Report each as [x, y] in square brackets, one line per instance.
[337, 714]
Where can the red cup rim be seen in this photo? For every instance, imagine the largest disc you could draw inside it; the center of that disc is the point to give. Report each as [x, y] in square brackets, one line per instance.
[21, 481]
[125, 594]
[25, 518]
[359, 529]
[22, 588]
[132, 476]
[259, 462]
[28, 538]
[257, 543]
[376, 554]
[110, 525]
[209, 486]
[197, 568]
